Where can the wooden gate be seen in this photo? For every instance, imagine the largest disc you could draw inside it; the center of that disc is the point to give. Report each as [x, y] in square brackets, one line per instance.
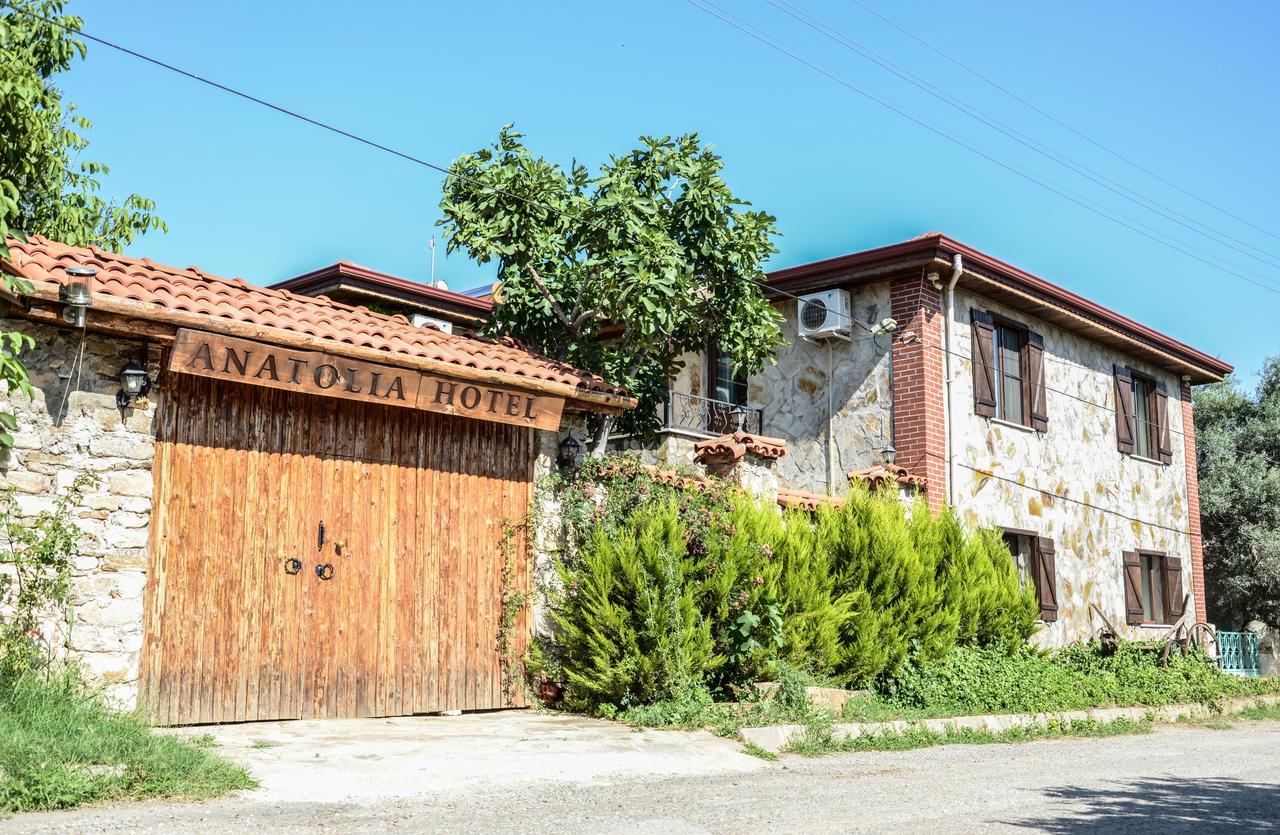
[406, 506]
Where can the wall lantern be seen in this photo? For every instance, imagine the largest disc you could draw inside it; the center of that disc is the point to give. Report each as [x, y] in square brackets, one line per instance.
[76, 294]
[570, 453]
[889, 454]
[738, 416]
[134, 383]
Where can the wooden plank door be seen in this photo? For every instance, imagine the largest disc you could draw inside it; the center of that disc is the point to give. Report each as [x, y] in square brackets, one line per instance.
[221, 615]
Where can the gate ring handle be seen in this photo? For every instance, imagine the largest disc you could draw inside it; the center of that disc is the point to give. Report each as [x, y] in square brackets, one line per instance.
[324, 570]
[292, 565]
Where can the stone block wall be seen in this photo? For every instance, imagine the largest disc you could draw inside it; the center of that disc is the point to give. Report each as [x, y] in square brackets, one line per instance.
[793, 393]
[73, 426]
[1071, 483]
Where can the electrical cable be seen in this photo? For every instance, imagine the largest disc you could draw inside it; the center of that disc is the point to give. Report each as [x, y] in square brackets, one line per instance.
[1125, 159]
[1114, 217]
[1077, 167]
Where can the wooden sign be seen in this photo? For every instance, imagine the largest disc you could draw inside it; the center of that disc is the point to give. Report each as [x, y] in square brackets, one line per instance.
[313, 372]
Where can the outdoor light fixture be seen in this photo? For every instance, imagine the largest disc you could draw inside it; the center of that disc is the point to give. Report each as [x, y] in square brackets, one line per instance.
[570, 453]
[76, 295]
[134, 383]
[889, 454]
[738, 416]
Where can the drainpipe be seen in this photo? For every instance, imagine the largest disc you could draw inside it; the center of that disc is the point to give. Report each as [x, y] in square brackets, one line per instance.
[957, 268]
[831, 441]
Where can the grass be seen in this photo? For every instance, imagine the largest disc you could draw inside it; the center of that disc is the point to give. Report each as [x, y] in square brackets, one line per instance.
[62, 747]
[1261, 712]
[820, 738]
[756, 751]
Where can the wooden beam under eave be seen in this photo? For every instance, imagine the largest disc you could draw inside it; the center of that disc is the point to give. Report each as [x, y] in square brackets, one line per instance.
[101, 321]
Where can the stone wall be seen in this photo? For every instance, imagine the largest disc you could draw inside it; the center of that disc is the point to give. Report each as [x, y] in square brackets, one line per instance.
[1071, 483]
[74, 426]
[794, 391]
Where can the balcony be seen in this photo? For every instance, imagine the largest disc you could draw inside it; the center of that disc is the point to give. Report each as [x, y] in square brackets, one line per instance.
[710, 418]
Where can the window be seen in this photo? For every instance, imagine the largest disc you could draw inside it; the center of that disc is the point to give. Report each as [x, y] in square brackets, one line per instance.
[1153, 588]
[1142, 416]
[1035, 559]
[725, 382]
[1019, 545]
[1008, 371]
[1009, 376]
[726, 391]
[1143, 436]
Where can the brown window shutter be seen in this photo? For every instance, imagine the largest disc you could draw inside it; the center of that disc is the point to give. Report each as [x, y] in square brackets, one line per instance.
[1046, 576]
[1174, 597]
[1162, 424]
[1033, 367]
[984, 366]
[1132, 587]
[1125, 418]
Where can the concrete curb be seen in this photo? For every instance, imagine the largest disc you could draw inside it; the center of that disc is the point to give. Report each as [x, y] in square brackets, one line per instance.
[775, 738]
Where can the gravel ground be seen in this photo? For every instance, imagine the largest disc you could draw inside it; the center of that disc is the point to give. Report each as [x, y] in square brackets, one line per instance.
[1176, 780]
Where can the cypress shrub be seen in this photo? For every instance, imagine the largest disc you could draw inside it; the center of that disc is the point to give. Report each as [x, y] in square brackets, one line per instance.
[666, 590]
[630, 630]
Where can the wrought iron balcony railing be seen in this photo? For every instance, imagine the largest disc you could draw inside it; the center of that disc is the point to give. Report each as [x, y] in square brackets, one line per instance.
[703, 415]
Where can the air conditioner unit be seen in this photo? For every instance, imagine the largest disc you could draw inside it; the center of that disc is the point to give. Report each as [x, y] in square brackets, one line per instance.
[825, 315]
[419, 321]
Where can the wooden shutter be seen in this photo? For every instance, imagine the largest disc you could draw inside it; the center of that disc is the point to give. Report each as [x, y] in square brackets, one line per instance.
[1046, 577]
[1174, 596]
[1132, 587]
[1165, 447]
[984, 364]
[1033, 368]
[1126, 421]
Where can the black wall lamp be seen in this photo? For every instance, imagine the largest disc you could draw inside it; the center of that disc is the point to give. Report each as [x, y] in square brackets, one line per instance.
[890, 454]
[570, 453]
[134, 383]
[77, 295]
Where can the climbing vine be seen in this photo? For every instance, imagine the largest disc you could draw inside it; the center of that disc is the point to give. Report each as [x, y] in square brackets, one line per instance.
[514, 601]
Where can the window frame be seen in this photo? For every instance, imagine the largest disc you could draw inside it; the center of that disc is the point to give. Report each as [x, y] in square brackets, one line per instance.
[1001, 324]
[737, 381]
[1026, 573]
[1152, 420]
[1151, 570]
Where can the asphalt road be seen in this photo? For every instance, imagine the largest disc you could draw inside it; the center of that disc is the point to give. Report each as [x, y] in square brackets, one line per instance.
[1176, 780]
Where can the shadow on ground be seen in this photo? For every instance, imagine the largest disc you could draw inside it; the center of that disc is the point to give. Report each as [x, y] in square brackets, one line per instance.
[1168, 805]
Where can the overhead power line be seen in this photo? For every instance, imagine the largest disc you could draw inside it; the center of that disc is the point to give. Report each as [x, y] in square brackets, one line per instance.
[1075, 166]
[1062, 124]
[1083, 202]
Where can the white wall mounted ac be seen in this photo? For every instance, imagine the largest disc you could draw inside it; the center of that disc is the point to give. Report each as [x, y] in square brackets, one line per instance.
[825, 315]
[419, 320]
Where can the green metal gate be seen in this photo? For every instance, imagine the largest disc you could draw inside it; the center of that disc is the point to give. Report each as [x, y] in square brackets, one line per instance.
[1238, 653]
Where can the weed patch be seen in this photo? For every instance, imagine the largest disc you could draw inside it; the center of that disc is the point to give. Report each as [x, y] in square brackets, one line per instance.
[61, 747]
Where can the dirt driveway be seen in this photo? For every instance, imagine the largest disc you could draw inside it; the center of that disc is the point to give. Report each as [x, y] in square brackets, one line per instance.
[532, 773]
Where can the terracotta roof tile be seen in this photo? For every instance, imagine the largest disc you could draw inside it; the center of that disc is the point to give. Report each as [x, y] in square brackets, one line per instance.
[881, 473]
[804, 500]
[192, 290]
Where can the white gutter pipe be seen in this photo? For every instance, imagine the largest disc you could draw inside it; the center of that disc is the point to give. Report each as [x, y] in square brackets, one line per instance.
[957, 268]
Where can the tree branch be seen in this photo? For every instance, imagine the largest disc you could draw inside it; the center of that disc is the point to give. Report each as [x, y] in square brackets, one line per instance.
[555, 305]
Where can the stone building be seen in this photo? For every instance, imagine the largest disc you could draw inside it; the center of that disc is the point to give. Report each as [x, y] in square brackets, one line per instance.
[1074, 436]
[301, 505]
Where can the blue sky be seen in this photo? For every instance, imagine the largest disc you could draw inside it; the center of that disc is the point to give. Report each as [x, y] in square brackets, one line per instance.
[1185, 88]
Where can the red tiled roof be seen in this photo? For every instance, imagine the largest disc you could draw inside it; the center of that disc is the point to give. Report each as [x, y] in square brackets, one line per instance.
[880, 473]
[736, 445]
[1036, 292]
[193, 291]
[316, 280]
[804, 500]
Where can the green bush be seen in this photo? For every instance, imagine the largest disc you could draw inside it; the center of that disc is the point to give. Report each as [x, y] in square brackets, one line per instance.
[61, 747]
[630, 631]
[996, 679]
[664, 589]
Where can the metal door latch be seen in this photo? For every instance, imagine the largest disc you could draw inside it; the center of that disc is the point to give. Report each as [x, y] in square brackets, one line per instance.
[324, 570]
[320, 537]
[292, 565]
